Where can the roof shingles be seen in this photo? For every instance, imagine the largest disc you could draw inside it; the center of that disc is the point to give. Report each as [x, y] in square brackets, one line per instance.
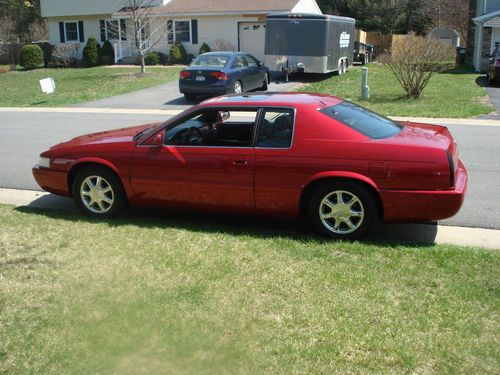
[225, 6]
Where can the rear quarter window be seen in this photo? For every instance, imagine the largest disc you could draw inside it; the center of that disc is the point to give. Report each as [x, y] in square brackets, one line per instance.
[362, 120]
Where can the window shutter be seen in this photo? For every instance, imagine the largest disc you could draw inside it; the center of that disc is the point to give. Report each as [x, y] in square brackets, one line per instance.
[61, 32]
[170, 32]
[194, 31]
[102, 27]
[123, 27]
[80, 31]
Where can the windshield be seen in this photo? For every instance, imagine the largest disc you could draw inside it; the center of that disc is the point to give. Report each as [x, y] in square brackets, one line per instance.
[363, 120]
[219, 61]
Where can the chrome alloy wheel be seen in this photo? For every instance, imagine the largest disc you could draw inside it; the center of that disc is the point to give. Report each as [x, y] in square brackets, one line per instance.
[97, 194]
[238, 89]
[341, 212]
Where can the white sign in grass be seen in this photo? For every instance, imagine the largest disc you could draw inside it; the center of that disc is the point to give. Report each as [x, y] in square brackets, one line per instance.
[48, 85]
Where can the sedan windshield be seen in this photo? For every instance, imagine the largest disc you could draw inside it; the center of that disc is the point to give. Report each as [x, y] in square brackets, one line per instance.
[211, 60]
[363, 120]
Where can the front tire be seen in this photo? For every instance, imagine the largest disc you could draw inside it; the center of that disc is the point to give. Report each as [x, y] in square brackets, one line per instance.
[264, 84]
[342, 210]
[98, 193]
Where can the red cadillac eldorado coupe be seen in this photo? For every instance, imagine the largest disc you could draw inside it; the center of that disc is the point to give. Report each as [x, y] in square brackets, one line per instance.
[294, 154]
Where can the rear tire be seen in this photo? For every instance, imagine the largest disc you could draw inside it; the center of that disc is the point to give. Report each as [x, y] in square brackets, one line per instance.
[342, 210]
[190, 97]
[99, 193]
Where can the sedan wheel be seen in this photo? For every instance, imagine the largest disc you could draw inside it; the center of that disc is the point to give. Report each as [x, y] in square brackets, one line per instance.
[238, 88]
[98, 192]
[342, 210]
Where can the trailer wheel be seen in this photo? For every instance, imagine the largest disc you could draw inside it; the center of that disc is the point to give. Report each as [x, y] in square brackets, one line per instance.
[340, 69]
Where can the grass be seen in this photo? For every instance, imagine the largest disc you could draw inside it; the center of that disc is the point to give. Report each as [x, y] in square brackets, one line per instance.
[177, 293]
[21, 88]
[452, 94]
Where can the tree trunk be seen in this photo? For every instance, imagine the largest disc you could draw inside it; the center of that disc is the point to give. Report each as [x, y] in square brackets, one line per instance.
[143, 65]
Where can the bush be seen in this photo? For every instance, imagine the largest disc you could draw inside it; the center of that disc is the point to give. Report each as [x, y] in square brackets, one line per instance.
[222, 45]
[204, 48]
[47, 49]
[163, 58]
[107, 53]
[152, 58]
[31, 56]
[91, 53]
[414, 60]
[177, 54]
[5, 68]
[64, 56]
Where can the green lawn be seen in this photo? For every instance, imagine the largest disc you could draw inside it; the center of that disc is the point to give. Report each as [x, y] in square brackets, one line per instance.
[180, 293]
[21, 88]
[453, 94]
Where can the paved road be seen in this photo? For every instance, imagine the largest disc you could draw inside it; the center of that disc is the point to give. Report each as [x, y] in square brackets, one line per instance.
[165, 96]
[24, 135]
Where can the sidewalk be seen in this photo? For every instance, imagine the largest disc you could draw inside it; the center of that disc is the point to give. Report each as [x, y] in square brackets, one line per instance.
[426, 234]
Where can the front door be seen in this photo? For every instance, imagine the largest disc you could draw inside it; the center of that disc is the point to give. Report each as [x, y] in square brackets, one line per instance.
[207, 161]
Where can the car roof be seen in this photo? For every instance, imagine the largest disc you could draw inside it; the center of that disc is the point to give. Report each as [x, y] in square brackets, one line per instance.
[220, 53]
[282, 99]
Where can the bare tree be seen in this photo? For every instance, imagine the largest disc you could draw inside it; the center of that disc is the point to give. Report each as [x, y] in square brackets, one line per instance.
[453, 14]
[149, 27]
[414, 60]
[7, 33]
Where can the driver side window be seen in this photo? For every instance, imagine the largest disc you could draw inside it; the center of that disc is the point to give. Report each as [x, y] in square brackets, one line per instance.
[216, 127]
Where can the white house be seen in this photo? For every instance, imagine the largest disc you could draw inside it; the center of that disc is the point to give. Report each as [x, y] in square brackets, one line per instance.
[237, 23]
[484, 31]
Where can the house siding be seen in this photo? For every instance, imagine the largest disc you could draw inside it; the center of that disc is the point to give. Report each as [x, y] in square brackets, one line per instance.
[91, 27]
[492, 5]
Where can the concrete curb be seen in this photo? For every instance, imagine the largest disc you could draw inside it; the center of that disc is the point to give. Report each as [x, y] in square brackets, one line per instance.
[173, 112]
[413, 233]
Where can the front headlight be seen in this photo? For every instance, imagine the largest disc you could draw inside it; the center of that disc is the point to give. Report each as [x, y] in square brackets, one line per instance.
[44, 162]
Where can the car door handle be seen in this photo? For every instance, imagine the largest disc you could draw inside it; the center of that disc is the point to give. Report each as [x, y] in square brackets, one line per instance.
[240, 162]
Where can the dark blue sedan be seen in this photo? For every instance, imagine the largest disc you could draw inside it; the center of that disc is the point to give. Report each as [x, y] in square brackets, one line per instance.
[219, 73]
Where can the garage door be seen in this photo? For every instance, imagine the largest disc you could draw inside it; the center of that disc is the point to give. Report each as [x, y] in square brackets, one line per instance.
[252, 38]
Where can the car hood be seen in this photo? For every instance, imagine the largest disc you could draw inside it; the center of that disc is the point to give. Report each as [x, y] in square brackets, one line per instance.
[108, 136]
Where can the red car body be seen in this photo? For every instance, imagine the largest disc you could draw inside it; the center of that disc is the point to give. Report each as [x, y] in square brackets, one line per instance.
[415, 175]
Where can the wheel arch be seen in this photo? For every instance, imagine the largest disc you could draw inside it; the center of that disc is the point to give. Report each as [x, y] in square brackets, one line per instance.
[90, 162]
[321, 178]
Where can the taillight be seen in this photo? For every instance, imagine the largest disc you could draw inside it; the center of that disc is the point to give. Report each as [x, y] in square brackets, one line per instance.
[220, 76]
[497, 63]
[184, 74]
[452, 169]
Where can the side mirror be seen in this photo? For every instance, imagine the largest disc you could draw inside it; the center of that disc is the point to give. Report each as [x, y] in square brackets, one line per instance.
[158, 139]
[223, 115]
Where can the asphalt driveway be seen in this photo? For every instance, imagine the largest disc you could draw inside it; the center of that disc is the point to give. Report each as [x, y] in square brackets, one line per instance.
[164, 96]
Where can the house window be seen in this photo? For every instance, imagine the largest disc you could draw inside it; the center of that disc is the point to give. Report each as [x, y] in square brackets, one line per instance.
[71, 31]
[111, 30]
[182, 31]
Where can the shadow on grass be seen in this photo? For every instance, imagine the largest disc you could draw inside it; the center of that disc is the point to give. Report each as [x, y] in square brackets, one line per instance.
[412, 235]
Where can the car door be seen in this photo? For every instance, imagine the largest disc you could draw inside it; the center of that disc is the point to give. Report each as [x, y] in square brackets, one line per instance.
[255, 74]
[206, 160]
[279, 175]
[240, 71]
